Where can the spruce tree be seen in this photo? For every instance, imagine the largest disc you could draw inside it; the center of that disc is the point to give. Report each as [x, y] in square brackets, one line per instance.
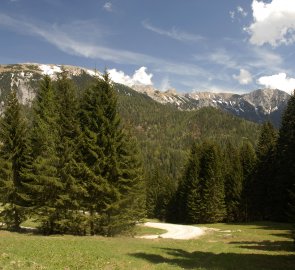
[46, 160]
[108, 162]
[233, 177]
[129, 208]
[191, 190]
[15, 165]
[201, 193]
[285, 179]
[212, 203]
[263, 178]
[160, 190]
[248, 162]
[71, 219]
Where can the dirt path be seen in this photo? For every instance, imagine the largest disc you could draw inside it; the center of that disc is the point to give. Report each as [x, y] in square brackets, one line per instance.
[174, 231]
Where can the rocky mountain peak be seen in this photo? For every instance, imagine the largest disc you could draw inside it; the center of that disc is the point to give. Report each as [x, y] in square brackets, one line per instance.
[258, 106]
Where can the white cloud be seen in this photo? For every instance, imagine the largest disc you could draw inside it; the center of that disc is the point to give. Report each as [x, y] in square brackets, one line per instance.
[232, 15]
[273, 22]
[108, 6]
[224, 58]
[173, 33]
[241, 11]
[278, 81]
[238, 11]
[140, 77]
[165, 84]
[244, 77]
[64, 38]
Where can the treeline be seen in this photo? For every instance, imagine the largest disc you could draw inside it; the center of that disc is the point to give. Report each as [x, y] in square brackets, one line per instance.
[245, 184]
[72, 167]
[165, 135]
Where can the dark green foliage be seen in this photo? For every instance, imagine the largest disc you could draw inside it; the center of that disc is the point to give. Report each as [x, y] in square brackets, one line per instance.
[15, 168]
[165, 135]
[129, 207]
[248, 162]
[87, 171]
[187, 195]
[262, 186]
[71, 220]
[285, 162]
[160, 190]
[201, 193]
[233, 181]
[46, 160]
[212, 204]
[111, 174]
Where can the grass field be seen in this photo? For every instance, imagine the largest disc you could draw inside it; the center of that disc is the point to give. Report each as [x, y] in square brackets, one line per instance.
[252, 246]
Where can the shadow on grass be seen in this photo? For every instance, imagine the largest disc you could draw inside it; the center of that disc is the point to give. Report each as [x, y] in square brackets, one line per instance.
[225, 261]
[265, 225]
[267, 245]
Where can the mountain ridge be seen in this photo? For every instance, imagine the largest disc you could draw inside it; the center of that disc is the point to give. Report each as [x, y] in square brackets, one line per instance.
[257, 106]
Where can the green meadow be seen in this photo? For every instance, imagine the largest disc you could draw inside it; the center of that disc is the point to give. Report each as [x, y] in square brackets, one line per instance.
[243, 246]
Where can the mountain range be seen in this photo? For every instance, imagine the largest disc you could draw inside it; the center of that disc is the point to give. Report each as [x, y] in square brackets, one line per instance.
[257, 106]
[164, 130]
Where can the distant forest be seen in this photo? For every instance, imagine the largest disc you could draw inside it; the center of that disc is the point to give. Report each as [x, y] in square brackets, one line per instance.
[99, 158]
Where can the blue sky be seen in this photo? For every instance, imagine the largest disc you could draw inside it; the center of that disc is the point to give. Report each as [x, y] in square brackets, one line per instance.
[192, 45]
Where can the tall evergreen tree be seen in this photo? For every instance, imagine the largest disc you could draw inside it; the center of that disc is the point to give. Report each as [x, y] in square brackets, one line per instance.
[15, 165]
[71, 219]
[233, 178]
[263, 178]
[285, 179]
[248, 162]
[106, 159]
[46, 160]
[160, 190]
[212, 203]
[201, 194]
[190, 189]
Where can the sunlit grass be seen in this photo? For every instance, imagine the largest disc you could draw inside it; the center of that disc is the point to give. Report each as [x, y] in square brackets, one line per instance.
[242, 246]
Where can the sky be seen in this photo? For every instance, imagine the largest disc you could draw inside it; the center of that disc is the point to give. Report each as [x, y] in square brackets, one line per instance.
[190, 45]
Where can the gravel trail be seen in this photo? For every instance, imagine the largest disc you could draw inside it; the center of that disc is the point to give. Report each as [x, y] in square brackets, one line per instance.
[174, 231]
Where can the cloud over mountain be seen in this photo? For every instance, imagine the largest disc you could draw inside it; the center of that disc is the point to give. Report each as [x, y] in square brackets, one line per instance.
[140, 77]
[273, 22]
[278, 81]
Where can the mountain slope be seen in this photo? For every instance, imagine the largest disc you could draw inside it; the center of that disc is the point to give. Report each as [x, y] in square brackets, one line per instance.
[257, 106]
[164, 132]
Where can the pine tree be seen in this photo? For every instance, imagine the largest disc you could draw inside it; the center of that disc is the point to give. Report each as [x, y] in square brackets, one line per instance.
[183, 205]
[129, 208]
[71, 219]
[44, 144]
[212, 203]
[233, 177]
[263, 178]
[107, 161]
[160, 190]
[285, 179]
[15, 169]
[248, 162]
[201, 193]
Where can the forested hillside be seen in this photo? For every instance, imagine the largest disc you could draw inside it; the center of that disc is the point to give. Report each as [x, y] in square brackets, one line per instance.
[75, 166]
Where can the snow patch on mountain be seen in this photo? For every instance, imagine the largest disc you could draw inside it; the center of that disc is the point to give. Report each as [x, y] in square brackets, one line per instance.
[50, 69]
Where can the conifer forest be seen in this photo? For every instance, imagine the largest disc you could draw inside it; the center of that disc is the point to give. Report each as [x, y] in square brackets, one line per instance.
[84, 160]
